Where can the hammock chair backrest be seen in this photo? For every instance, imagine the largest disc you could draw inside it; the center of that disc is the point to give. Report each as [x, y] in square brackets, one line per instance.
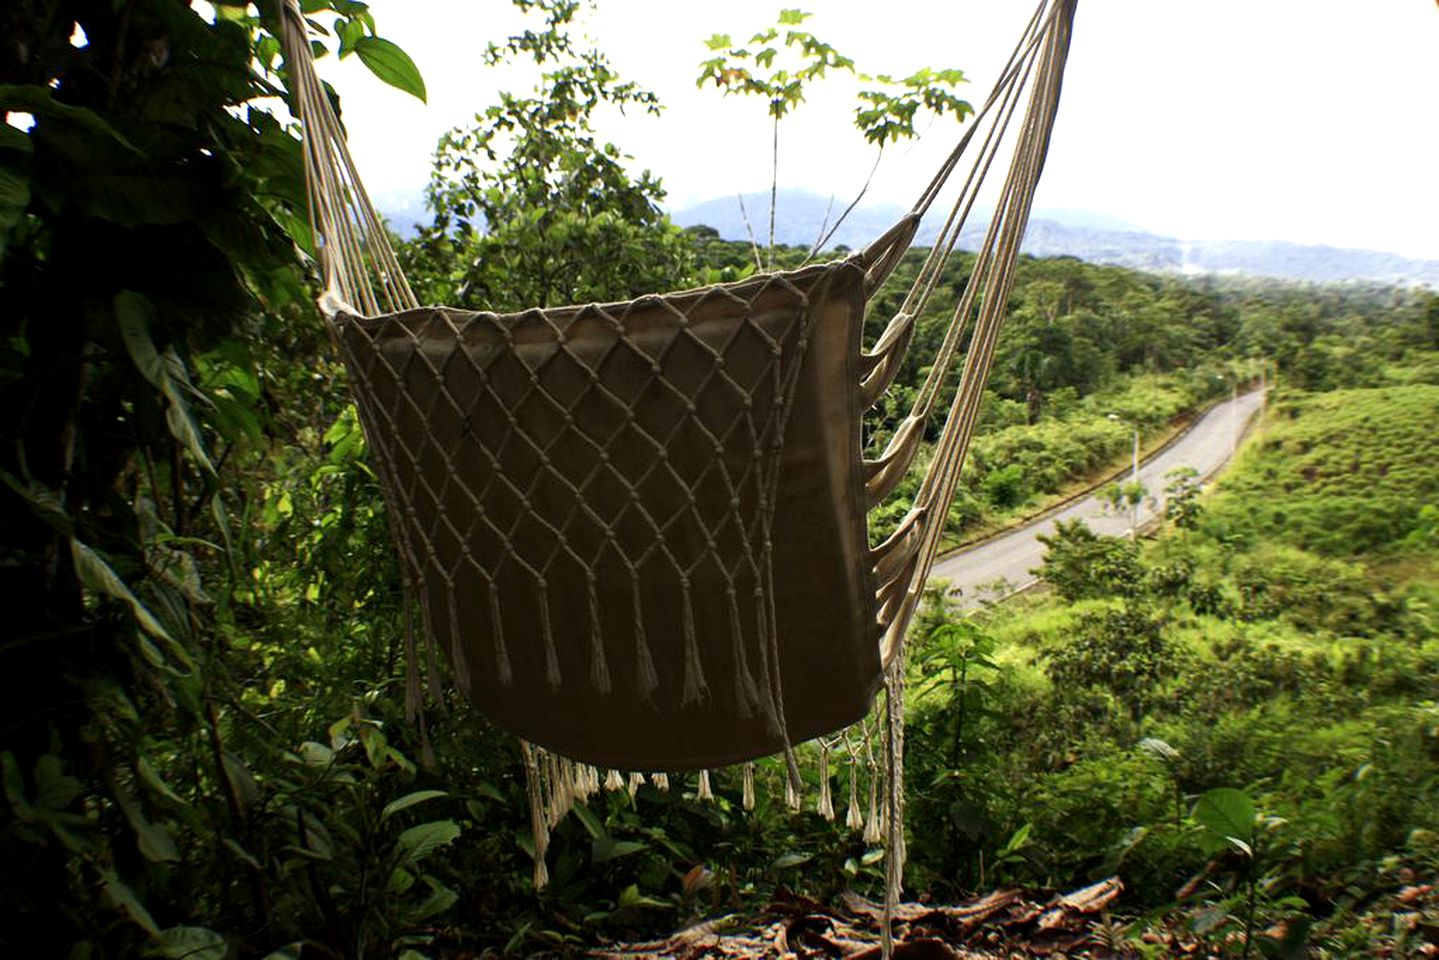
[636, 532]
[587, 503]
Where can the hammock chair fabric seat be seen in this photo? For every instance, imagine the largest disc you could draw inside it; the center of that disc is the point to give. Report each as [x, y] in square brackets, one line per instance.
[582, 496]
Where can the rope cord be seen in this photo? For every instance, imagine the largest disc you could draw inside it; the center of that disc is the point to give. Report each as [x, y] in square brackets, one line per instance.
[351, 243]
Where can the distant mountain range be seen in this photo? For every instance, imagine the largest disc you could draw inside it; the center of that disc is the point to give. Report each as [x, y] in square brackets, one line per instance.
[1075, 233]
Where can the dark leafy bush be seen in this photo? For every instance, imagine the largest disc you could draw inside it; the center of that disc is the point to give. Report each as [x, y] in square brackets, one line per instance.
[1081, 564]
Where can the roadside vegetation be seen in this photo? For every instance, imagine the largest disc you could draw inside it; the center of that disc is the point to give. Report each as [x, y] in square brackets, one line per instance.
[203, 748]
[1269, 657]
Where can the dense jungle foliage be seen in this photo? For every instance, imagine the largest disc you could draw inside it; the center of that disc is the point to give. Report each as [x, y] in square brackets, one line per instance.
[204, 749]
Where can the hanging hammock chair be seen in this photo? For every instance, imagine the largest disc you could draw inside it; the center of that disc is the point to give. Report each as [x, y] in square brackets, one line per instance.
[637, 532]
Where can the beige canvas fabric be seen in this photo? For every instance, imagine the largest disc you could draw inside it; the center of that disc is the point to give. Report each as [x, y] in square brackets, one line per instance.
[584, 498]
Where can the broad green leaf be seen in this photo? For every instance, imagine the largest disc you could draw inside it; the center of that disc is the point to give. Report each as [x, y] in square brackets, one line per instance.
[45, 503]
[792, 17]
[135, 200]
[417, 842]
[15, 786]
[247, 791]
[591, 823]
[400, 881]
[788, 860]
[13, 139]
[441, 898]
[392, 65]
[489, 790]
[630, 897]
[1018, 840]
[606, 849]
[245, 855]
[122, 898]
[41, 102]
[316, 754]
[192, 943]
[290, 952]
[53, 789]
[154, 783]
[351, 32]
[14, 198]
[154, 841]
[1226, 814]
[134, 314]
[96, 575]
[409, 800]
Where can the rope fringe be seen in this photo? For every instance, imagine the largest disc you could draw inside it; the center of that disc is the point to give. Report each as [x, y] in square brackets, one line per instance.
[646, 679]
[853, 818]
[539, 825]
[459, 665]
[695, 689]
[825, 807]
[552, 659]
[599, 666]
[503, 672]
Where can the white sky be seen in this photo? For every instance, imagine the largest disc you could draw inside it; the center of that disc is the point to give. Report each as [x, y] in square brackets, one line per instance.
[1314, 121]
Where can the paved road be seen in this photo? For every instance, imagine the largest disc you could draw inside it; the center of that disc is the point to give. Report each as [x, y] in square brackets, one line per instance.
[1002, 565]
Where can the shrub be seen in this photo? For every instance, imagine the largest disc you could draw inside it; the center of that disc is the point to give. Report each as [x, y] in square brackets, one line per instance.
[1081, 564]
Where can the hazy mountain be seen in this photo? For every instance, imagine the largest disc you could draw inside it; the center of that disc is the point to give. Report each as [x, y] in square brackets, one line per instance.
[1076, 233]
[801, 217]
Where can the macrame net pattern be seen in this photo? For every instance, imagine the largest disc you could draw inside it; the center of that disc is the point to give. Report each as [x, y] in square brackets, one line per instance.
[636, 532]
[585, 501]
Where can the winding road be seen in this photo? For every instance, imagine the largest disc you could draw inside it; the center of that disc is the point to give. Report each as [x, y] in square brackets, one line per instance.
[995, 568]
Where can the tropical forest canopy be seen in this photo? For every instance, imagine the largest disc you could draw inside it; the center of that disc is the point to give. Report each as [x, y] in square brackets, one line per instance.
[205, 751]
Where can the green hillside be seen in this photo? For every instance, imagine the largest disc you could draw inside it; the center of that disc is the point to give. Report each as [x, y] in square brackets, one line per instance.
[1278, 647]
[1339, 473]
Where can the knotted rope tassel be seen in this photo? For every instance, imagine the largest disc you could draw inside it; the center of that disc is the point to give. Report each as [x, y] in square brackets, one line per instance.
[539, 828]
[746, 693]
[853, 818]
[599, 666]
[503, 673]
[695, 688]
[825, 807]
[646, 678]
[552, 659]
[459, 663]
